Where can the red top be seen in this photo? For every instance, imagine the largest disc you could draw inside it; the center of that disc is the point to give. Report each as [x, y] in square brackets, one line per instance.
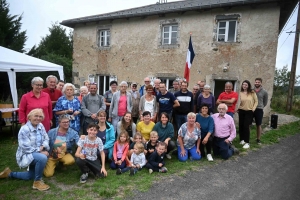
[30, 102]
[125, 150]
[228, 96]
[122, 108]
[53, 93]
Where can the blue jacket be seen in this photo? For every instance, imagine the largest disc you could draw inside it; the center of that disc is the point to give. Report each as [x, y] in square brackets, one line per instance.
[72, 138]
[110, 139]
[141, 90]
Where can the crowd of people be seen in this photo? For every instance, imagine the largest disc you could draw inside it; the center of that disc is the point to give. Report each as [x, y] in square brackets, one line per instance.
[130, 128]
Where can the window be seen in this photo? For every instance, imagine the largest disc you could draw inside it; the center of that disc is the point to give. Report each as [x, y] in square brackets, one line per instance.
[169, 34]
[104, 38]
[227, 31]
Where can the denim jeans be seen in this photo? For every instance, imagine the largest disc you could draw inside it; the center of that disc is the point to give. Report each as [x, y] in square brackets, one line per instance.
[192, 152]
[128, 168]
[36, 168]
[180, 119]
[230, 113]
[221, 148]
[114, 121]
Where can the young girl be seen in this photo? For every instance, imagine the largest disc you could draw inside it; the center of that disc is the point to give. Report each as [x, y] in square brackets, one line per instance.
[151, 144]
[86, 154]
[121, 147]
[137, 160]
[138, 138]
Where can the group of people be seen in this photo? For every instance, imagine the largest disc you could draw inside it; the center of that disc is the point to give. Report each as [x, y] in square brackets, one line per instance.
[130, 128]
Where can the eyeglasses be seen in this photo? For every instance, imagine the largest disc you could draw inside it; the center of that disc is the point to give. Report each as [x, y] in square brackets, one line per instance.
[65, 122]
[38, 116]
[196, 89]
[147, 81]
[39, 85]
[93, 84]
[134, 86]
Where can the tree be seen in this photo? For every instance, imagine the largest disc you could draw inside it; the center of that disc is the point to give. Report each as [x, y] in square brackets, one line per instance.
[11, 35]
[281, 80]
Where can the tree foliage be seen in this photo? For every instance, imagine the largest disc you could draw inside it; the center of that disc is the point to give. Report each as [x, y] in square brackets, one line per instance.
[11, 35]
[281, 80]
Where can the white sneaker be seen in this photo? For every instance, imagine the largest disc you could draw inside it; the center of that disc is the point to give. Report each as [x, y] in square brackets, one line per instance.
[209, 158]
[242, 142]
[246, 146]
[168, 156]
[150, 171]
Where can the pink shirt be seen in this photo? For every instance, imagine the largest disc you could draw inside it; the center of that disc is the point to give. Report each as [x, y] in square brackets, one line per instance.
[30, 102]
[224, 126]
[122, 108]
[120, 150]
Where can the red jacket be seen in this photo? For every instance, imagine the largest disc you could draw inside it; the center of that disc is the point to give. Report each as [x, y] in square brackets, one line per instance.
[125, 150]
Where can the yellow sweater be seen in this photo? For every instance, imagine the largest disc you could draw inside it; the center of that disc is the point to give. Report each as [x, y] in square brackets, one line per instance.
[248, 101]
[145, 129]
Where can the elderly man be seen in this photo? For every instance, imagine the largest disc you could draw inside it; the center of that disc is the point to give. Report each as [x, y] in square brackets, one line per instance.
[142, 90]
[176, 87]
[54, 93]
[201, 86]
[61, 141]
[195, 90]
[262, 97]
[135, 102]
[91, 104]
[224, 133]
[156, 90]
[228, 97]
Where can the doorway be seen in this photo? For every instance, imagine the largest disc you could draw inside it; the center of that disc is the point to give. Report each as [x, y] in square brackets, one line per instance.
[220, 87]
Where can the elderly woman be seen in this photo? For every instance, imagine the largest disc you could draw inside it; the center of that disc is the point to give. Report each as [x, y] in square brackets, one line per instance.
[207, 127]
[189, 136]
[83, 91]
[126, 124]
[145, 126]
[248, 104]
[165, 132]
[206, 97]
[120, 104]
[69, 105]
[32, 151]
[36, 99]
[61, 141]
[148, 103]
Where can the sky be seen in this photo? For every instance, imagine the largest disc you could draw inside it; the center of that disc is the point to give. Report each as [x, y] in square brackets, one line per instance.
[38, 15]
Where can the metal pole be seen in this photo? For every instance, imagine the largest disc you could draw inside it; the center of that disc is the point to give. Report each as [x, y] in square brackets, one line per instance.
[289, 103]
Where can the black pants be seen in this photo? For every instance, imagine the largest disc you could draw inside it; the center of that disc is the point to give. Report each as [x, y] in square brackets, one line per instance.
[134, 119]
[208, 146]
[171, 146]
[245, 120]
[85, 165]
[155, 169]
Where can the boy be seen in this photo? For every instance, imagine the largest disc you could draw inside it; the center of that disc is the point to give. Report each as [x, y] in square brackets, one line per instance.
[86, 154]
[150, 145]
[156, 159]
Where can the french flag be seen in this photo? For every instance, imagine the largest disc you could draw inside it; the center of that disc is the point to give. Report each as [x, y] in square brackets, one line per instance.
[189, 60]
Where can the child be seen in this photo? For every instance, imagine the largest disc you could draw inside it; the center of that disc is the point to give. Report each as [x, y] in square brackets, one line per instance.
[86, 154]
[121, 147]
[156, 159]
[137, 160]
[150, 145]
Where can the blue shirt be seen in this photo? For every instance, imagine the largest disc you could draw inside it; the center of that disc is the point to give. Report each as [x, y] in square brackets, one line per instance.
[166, 102]
[206, 124]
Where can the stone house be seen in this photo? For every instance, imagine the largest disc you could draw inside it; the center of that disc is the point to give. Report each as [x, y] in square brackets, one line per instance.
[233, 40]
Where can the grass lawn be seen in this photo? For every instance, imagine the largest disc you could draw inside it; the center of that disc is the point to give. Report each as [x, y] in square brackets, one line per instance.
[66, 181]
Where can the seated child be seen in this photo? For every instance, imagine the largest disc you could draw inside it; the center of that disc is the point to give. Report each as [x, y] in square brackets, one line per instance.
[151, 144]
[121, 147]
[86, 154]
[137, 138]
[156, 159]
[137, 160]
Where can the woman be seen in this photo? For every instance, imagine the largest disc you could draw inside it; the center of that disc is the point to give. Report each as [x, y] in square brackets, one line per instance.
[248, 104]
[206, 97]
[207, 127]
[188, 140]
[109, 94]
[61, 141]
[121, 103]
[126, 124]
[83, 91]
[165, 132]
[145, 126]
[69, 105]
[148, 103]
[36, 99]
[32, 151]
[87, 84]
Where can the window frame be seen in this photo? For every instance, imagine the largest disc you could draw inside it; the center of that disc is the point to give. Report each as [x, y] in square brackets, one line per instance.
[170, 31]
[106, 37]
[227, 30]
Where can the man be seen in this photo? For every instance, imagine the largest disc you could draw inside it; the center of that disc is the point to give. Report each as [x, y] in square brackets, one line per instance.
[185, 99]
[166, 101]
[175, 88]
[195, 90]
[61, 141]
[60, 85]
[201, 86]
[262, 97]
[54, 94]
[228, 97]
[135, 102]
[142, 90]
[156, 87]
[224, 133]
[91, 104]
